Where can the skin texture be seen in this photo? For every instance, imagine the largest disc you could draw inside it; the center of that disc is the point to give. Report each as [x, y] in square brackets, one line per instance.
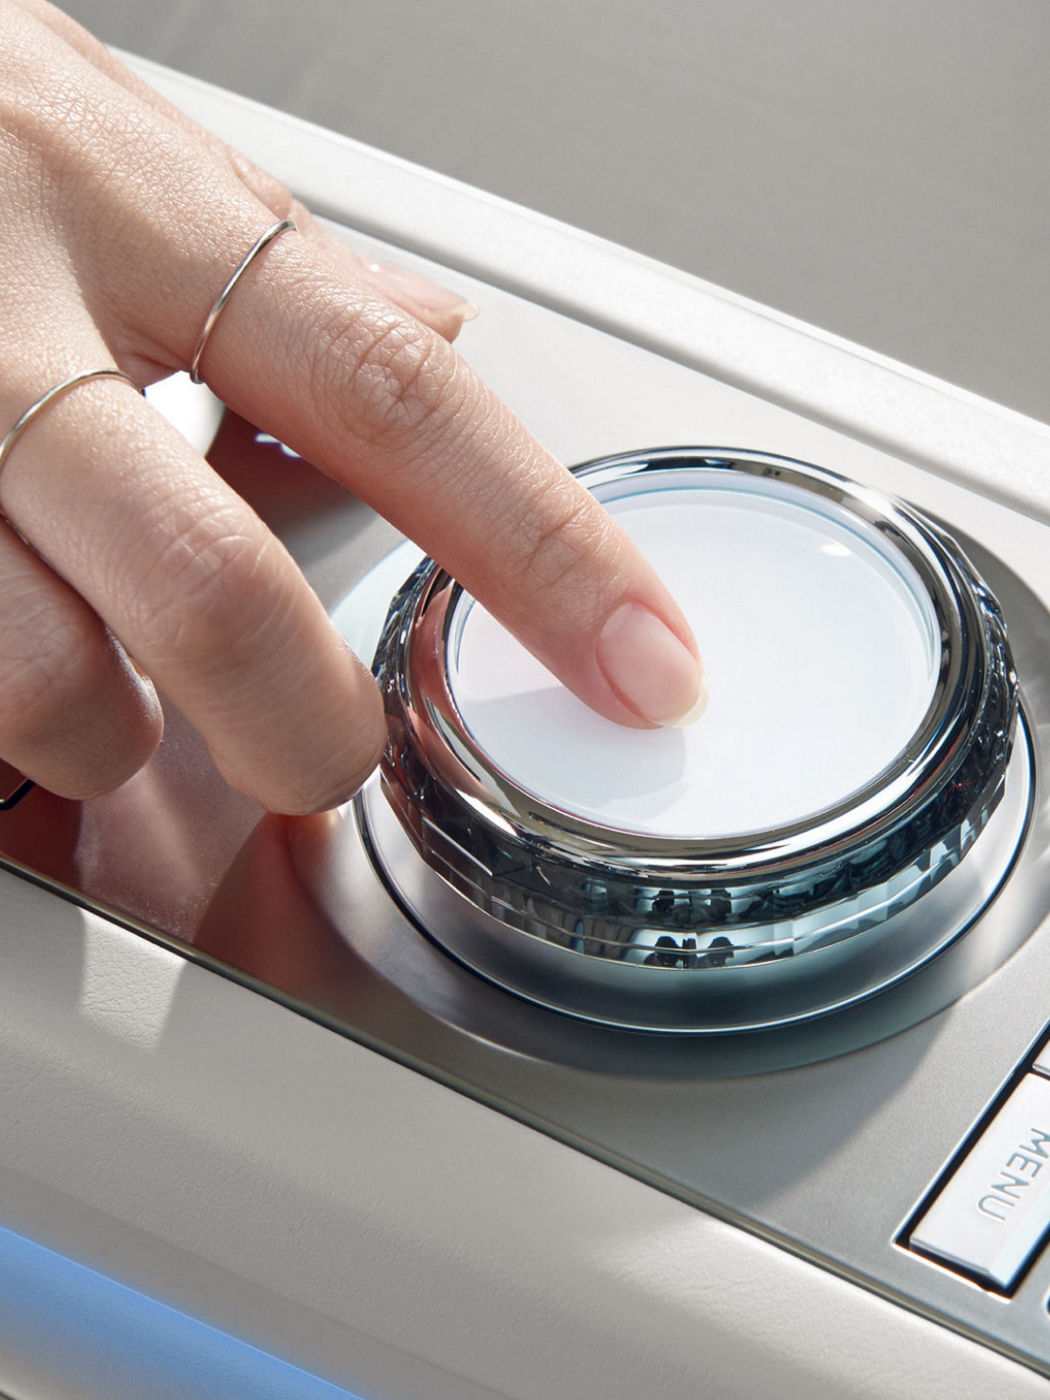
[129, 567]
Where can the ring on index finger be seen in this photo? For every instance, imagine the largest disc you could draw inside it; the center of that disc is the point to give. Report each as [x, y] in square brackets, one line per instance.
[259, 246]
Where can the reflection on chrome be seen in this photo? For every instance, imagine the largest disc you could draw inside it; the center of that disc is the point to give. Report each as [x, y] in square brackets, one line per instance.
[718, 932]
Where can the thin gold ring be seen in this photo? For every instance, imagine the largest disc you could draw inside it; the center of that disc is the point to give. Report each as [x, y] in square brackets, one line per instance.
[46, 400]
[261, 243]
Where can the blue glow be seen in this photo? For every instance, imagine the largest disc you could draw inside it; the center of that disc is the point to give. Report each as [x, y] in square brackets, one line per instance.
[67, 1325]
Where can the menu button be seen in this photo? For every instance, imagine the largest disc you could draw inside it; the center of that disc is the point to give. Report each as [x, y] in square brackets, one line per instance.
[993, 1213]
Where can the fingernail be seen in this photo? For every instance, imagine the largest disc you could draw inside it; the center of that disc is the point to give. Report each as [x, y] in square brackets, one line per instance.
[692, 715]
[403, 286]
[651, 671]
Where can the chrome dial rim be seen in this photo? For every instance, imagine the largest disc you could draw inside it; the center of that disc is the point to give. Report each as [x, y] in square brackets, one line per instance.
[601, 895]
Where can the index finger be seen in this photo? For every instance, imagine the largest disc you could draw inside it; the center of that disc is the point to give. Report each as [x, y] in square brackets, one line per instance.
[389, 409]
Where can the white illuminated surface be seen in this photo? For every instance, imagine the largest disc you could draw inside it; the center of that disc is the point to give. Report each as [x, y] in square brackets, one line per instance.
[821, 650]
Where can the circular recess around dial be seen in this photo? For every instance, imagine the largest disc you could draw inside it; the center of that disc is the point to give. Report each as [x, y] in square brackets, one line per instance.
[850, 799]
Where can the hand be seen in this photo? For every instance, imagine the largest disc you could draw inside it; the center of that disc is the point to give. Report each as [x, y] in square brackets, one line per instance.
[127, 563]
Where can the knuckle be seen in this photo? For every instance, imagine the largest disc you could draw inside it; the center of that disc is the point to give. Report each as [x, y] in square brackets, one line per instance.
[199, 602]
[390, 379]
[557, 544]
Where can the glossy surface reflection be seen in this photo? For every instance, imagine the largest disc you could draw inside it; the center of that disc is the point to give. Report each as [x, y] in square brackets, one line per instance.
[840, 813]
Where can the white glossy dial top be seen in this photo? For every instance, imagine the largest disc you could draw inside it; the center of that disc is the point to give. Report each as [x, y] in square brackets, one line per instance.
[821, 648]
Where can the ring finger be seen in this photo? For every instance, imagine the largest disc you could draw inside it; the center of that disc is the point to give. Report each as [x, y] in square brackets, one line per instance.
[74, 714]
[197, 591]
